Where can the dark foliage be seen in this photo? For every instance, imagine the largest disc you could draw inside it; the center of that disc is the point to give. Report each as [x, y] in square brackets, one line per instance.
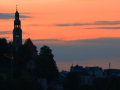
[111, 83]
[22, 56]
[45, 64]
[22, 83]
[24, 52]
[72, 81]
[3, 83]
[3, 50]
[50, 88]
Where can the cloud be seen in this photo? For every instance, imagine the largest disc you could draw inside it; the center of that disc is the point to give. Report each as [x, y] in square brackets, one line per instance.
[67, 24]
[104, 40]
[4, 37]
[88, 23]
[88, 52]
[9, 32]
[104, 28]
[97, 41]
[36, 40]
[39, 25]
[11, 16]
[106, 23]
[82, 24]
[84, 50]
[5, 32]
[46, 41]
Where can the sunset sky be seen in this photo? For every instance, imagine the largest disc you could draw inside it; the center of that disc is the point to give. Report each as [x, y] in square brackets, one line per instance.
[83, 32]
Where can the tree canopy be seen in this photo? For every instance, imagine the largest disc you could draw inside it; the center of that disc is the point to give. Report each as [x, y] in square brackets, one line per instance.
[45, 65]
[72, 81]
[4, 49]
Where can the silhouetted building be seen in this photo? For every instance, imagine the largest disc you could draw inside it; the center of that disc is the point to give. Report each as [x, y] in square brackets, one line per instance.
[17, 31]
[95, 71]
[85, 77]
[43, 82]
[76, 68]
[17, 41]
[32, 47]
[112, 72]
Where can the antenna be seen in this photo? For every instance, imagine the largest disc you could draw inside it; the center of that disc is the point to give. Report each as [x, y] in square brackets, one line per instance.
[109, 65]
[77, 62]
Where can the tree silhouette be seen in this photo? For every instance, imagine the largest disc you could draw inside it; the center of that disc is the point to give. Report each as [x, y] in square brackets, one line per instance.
[72, 81]
[3, 50]
[45, 64]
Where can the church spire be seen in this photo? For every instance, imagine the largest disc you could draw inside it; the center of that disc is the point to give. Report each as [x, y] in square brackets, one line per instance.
[16, 8]
[17, 31]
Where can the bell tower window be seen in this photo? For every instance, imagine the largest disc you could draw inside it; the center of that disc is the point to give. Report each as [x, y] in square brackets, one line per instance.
[17, 35]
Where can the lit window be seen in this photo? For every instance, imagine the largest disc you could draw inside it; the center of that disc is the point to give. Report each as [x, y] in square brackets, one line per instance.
[17, 35]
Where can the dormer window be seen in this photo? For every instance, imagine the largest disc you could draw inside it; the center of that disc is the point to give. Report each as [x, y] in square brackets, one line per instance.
[17, 35]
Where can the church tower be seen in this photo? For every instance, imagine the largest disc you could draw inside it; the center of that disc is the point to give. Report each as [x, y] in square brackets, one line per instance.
[17, 31]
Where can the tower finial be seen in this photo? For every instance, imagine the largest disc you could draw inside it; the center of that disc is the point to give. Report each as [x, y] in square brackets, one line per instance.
[16, 7]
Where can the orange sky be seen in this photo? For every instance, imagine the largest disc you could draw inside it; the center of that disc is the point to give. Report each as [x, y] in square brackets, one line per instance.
[46, 13]
[63, 19]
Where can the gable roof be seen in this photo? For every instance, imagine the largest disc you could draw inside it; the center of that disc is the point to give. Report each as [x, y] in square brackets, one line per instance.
[29, 43]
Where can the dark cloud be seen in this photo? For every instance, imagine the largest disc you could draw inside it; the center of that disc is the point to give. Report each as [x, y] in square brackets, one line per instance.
[5, 32]
[43, 40]
[9, 32]
[11, 16]
[104, 28]
[84, 50]
[67, 24]
[36, 40]
[100, 50]
[82, 24]
[106, 23]
[94, 23]
[5, 37]
[38, 25]
[106, 40]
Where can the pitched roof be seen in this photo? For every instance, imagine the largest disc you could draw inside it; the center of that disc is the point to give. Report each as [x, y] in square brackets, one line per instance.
[29, 43]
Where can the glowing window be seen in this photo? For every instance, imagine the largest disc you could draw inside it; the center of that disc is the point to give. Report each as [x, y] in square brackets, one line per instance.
[17, 35]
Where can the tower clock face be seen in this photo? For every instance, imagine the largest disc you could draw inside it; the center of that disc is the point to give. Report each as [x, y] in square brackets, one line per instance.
[17, 35]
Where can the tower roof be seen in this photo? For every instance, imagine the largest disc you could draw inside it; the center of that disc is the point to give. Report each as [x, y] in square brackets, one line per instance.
[29, 43]
[16, 7]
[16, 10]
